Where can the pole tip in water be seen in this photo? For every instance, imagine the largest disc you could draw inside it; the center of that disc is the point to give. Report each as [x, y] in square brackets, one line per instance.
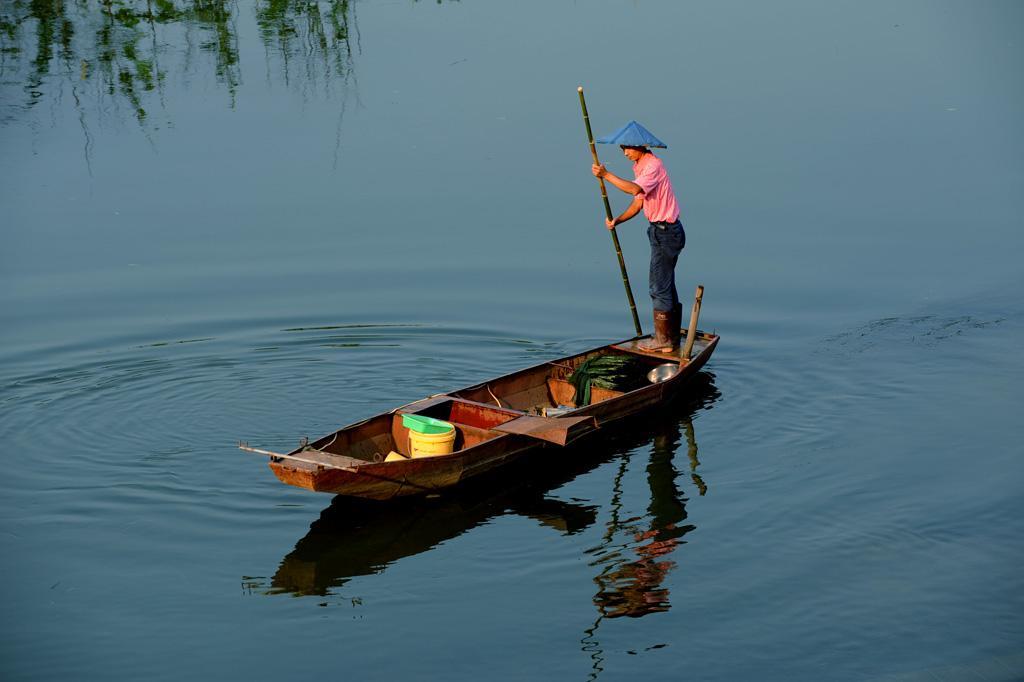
[579, 89]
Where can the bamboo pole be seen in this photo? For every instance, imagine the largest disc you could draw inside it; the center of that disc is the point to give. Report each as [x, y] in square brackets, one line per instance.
[691, 331]
[608, 212]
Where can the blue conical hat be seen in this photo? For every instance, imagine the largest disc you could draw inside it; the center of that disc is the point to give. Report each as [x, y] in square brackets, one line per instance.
[632, 135]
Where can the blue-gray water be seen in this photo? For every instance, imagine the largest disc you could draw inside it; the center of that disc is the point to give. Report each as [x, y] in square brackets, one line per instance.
[301, 232]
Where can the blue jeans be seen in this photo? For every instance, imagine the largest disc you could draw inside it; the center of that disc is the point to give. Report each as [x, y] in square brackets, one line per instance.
[667, 241]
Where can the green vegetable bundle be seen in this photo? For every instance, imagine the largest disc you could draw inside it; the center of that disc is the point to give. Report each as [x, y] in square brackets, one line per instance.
[616, 372]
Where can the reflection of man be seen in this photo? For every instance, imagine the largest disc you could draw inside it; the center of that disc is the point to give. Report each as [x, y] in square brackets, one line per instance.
[634, 588]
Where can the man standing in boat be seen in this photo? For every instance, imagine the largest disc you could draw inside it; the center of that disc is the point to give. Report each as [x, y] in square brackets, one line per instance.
[652, 191]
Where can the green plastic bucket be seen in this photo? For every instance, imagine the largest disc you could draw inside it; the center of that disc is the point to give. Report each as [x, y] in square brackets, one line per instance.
[427, 425]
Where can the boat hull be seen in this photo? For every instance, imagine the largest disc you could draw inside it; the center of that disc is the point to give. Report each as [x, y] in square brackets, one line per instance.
[480, 447]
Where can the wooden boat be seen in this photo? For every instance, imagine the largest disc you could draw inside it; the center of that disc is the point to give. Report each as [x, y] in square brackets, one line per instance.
[495, 422]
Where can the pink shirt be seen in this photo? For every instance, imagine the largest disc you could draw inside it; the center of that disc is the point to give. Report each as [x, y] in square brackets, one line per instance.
[659, 199]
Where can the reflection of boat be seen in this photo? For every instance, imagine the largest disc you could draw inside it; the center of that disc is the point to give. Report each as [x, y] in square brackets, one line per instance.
[495, 422]
[355, 537]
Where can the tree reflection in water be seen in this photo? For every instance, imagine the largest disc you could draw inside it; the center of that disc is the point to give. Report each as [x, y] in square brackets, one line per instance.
[300, 29]
[116, 55]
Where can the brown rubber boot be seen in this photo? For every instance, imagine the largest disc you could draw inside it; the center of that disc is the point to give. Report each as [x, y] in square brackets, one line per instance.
[673, 327]
[661, 341]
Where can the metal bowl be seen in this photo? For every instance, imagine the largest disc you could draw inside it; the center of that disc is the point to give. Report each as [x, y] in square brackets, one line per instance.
[663, 372]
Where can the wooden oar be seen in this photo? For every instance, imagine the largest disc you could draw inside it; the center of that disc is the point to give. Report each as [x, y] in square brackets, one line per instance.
[608, 212]
[278, 455]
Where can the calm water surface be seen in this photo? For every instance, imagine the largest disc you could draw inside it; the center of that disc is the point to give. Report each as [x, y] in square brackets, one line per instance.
[261, 221]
